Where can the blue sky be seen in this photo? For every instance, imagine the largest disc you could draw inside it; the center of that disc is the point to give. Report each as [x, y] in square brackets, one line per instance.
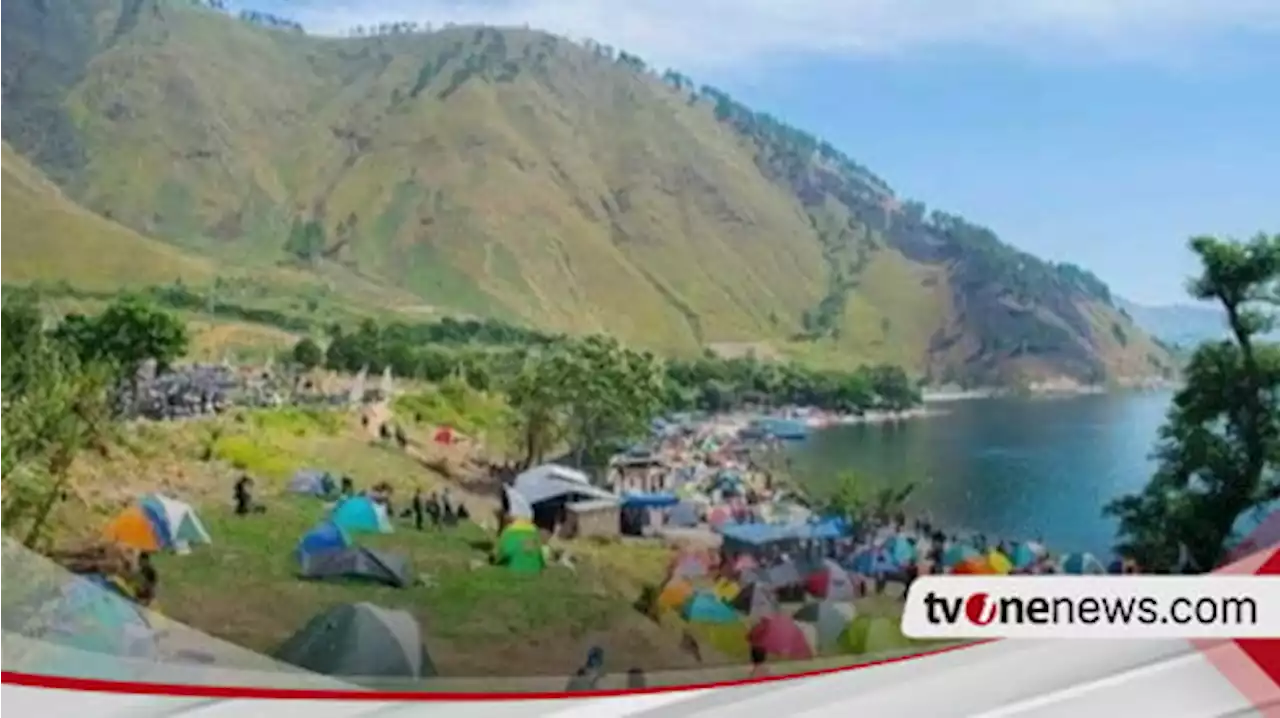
[1103, 132]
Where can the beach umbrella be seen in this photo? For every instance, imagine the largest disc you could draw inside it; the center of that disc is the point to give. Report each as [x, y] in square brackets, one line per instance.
[1079, 564]
[900, 550]
[830, 581]
[975, 566]
[957, 553]
[999, 562]
[828, 618]
[781, 637]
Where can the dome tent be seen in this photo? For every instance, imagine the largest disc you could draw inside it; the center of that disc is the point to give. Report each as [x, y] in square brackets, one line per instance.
[361, 514]
[358, 562]
[360, 640]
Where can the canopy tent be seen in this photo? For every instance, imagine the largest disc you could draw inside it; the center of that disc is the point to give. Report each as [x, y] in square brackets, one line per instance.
[325, 536]
[552, 481]
[758, 535]
[360, 640]
[360, 563]
[181, 524]
[135, 528]
[755, 600]
[832, 582]
[516, 506]
[704, 607]
[519, 548]
[828, 618]
[871, 635]
[361, 514]
[311, 482]
[1079, 564]
[683, 515]
[638, 500]
[781, 637]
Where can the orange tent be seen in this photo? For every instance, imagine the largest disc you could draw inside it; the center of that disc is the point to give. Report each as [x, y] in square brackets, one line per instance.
[976, 566]
[673, 595]
[132, 528]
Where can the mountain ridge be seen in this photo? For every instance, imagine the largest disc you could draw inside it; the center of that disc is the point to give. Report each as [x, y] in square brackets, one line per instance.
[512, 173]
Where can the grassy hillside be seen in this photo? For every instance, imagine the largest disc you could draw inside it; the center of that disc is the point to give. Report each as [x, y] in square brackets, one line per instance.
[514, 174]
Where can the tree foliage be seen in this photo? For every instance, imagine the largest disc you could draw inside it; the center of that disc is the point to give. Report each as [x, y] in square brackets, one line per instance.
[55, 405]
[131, 331]
[307, 354]
[1220, 446]
[863, 502]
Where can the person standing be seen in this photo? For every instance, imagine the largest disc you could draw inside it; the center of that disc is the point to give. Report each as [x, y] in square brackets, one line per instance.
[419, 509]
[759, 660]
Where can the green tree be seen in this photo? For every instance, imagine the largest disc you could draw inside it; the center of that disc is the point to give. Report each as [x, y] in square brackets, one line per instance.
[861, 501]
[308, 354]
[129, 332]
[1220, 446]
[55, 406]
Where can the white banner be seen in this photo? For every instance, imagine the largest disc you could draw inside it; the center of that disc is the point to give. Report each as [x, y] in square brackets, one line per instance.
[1128, 606]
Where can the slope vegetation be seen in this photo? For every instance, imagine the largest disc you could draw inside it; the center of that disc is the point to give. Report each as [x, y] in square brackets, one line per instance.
[516, 174]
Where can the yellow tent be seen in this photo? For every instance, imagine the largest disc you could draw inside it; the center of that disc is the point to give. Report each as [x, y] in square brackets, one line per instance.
[999, 562]
[726, 589]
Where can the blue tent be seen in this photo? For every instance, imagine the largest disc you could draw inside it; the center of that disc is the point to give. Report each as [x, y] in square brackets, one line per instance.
[325, 536]
[862, 562]
[958, 553]
[359, 514]
[1078, 564]
[703, 607]
[683, 515]
[156, 515]
[1022, 556]
[900, 550]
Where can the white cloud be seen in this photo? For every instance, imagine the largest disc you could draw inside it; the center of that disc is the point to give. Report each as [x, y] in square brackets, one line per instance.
[707, 34]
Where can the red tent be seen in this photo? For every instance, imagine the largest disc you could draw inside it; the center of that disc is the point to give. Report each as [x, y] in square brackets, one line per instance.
[781, 637]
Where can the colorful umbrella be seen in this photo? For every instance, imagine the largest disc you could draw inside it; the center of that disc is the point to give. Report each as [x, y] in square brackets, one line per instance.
[781, 637]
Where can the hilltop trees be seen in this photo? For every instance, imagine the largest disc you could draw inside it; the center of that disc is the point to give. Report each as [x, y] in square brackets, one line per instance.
[128, 333]
[1219, 449]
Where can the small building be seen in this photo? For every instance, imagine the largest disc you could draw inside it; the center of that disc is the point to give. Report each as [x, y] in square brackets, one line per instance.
[639, 474]
[600, 518]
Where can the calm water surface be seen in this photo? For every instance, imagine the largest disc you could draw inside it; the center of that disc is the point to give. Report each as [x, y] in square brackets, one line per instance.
[1007, 467]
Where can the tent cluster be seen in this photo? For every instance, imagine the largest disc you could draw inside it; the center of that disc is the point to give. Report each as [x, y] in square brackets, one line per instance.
[741, 607]
[157, 523]
[328, 551]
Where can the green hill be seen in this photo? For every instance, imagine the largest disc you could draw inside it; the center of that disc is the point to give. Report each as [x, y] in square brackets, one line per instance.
[515, 174]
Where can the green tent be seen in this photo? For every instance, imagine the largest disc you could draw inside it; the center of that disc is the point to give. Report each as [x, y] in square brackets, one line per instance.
[359, 640]
[871, 635]
[520, 549]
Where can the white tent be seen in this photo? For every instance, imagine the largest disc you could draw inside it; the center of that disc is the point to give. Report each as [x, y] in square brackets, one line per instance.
[185, 527]
[551, 481]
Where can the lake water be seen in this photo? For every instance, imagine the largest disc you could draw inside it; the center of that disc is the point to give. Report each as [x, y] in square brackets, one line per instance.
[1011, 468]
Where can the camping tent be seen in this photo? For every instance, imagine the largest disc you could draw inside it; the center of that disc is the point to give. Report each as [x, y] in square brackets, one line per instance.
[89, 615]
[135, 528]
[871, 635]
[520, 548]
[705, 607]
[755, 600]
[517, 507]
[673, 596]
[357, 562]
[311, 482]
[958, 553]
[359, 640]
[182, 525]
[688, 565]
[831, 581]
[361, 514]
[552, 481]
[828, 618]
[1082, 563]
[325, 536]
[781, 637]
[900, 550]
